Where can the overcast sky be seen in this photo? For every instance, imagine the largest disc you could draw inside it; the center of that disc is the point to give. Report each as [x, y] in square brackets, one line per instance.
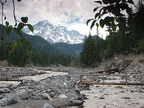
[70, 13]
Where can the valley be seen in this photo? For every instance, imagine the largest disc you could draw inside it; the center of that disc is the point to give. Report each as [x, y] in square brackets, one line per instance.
[57, 87]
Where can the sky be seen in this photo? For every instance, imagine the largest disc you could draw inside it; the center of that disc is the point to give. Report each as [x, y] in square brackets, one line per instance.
[72, 14]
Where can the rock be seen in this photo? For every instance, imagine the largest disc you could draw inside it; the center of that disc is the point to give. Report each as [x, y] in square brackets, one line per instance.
[77, 90]
[9, 86]
[46, 105]
[1, 96]
[3, 101]
[46, 96]
[4, 90]
[101, 97]
[13, 98]
[63, 96]
[23, 94]
[125, 97]
[120, 87]
[82, 97]
[122, 91]
[76, 102]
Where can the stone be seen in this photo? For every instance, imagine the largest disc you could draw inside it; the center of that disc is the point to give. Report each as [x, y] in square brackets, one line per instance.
[77, 90]
[82, 97]
[4, 90]
[9, 86]
[63, 96]
[122, 91]
[101, 97]
[13, 98]
[3, 101]
[125, 97]
[120, 87]
[23, 94]
[46, 105]
[1, 96]
[76, 102]
[46, 96]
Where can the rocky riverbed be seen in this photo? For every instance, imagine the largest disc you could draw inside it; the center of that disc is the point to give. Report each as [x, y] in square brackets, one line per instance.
[58, 87]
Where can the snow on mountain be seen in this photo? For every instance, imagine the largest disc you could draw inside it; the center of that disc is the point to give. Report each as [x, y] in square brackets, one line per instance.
[55, 34]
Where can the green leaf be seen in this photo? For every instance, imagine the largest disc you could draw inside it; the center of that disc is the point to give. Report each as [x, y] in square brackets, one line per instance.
[110, 8]
[89, 21]
[102, 23]
[123, 6]
[92, 25]
[8, 30]
[96, 15]
[17, 30]
[30, 27]
[12, 47]
[112, 19]
[20, 26]
[97, 25]
[95, 9]
[98, 2]
[130, 1]
[107, 20]
[114, 26]
[19, 40]
[105, 2]
[1, 37]
[128, 10]
[24, 19]
[7, 23]
[112, 1]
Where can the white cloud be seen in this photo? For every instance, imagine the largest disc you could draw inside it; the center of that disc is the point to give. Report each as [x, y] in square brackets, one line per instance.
[70, 13]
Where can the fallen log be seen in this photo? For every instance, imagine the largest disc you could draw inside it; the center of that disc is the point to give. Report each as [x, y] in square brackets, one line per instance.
[112, 83]
[108, 71]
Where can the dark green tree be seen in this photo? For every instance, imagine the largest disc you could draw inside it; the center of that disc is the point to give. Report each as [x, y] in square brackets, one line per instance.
[87, 56]
[21, 54]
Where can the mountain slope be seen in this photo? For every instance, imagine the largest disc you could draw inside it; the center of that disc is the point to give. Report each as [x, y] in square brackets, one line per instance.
[38, 43]
[55, 34]
[70, 49]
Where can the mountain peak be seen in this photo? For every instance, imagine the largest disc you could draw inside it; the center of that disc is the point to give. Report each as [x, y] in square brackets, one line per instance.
[44, 21]
[56, 34]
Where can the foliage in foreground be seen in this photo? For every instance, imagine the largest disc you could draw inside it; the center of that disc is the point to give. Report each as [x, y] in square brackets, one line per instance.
[23, 54]
[128, 39]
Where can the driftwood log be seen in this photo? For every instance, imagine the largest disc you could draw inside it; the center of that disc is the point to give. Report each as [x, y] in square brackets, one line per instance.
[108, 71]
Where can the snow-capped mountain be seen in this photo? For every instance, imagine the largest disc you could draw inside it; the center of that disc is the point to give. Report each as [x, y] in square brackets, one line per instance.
[55, 34]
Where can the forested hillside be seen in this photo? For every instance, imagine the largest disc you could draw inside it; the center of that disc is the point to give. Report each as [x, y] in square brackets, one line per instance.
[30, 50]
[70, 49]
[129, 38]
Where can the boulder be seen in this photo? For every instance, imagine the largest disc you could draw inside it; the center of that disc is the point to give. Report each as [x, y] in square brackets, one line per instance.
[3, 101]
[13, 98]
[1, 96]
[46, 96]
[63, 96]
[125, 97]
[76, 102]
[23, 94]
[4, 90]
[46, 105]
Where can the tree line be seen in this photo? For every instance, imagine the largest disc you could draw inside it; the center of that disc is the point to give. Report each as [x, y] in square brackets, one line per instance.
[24, 55]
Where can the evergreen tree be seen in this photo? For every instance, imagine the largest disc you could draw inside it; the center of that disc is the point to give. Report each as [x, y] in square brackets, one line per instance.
[21, 54]
[87, 56]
